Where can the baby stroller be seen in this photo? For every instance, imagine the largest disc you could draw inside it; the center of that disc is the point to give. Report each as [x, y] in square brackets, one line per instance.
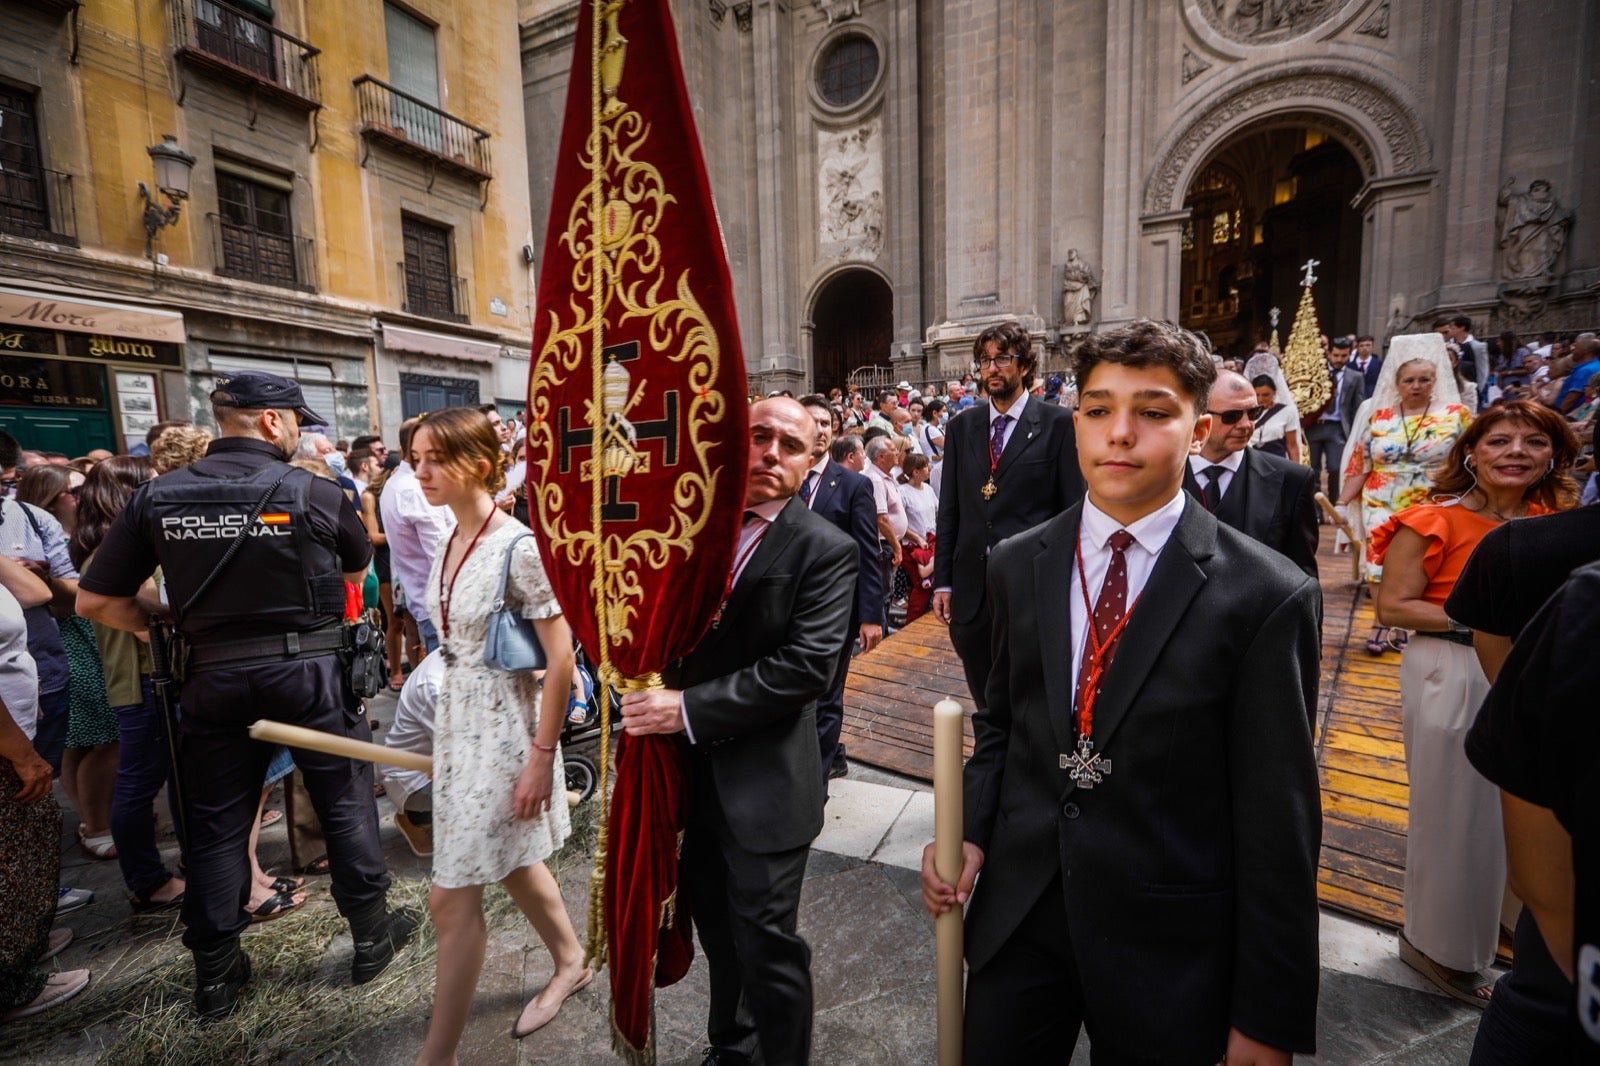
[580, 735]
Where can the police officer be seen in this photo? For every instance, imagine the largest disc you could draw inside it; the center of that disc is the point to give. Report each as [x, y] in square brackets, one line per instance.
[254, 554]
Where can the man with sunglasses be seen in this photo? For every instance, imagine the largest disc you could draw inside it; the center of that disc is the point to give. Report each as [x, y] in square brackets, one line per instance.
[1267, 498]
[1009, 463]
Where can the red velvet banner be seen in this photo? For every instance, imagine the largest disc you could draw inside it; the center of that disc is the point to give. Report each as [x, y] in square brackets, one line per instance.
[636, 443]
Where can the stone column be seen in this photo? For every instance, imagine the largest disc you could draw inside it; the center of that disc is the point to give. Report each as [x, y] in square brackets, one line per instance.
[1394, 228]
[778, 363]
[1481, 57]
[1124, 242]
[991, 177]
[1159, 268]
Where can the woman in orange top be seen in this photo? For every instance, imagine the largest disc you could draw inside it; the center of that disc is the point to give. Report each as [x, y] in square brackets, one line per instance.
[1513, 461]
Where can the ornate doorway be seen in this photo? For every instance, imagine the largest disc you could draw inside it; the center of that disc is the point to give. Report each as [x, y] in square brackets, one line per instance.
[1263, 204]
[852, 327]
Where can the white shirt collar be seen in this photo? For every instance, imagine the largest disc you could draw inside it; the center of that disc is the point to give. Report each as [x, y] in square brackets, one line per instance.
[1151, 532]
[1014, 412]
[768, 511]
[821, 465]
[1198, 462]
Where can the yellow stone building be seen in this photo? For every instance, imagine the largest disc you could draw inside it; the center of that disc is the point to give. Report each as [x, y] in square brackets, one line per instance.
[346, 204]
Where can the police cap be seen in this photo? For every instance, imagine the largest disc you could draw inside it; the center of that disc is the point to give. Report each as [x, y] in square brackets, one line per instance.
[255, 389]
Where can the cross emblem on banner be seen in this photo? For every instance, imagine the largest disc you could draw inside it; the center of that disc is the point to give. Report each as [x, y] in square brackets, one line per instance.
[619, 453]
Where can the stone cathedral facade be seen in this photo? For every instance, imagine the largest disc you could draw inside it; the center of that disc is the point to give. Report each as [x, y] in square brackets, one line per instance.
[894, 175]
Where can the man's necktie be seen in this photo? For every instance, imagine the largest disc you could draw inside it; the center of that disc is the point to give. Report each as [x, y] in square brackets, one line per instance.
[997, 440]
[1211, 495]
[1110, 607]
[809, 489]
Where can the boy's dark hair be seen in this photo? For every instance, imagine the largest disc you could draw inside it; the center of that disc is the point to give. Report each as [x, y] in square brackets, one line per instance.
[1364, 337]
[1440, 322]
[1008, 338]
[1462, 322]
[1146, 344]
[10, 451]
[365, 441]
[844, 447]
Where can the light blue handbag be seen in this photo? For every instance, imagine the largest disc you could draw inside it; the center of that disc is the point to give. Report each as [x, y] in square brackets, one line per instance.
[512, 643]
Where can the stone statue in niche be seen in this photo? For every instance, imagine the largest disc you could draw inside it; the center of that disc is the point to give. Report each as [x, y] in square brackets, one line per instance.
[850, 188]
[838, 10]
[1079, 286]
[1533, 232]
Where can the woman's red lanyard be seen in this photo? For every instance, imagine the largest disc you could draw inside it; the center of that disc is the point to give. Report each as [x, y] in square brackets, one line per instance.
[739, 563]
[1088, 768]
[446, 593]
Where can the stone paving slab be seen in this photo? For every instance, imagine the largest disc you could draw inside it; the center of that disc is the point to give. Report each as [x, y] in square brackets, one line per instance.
[872, 961]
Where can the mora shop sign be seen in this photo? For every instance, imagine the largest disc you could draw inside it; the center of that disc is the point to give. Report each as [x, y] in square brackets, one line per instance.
[77, 314]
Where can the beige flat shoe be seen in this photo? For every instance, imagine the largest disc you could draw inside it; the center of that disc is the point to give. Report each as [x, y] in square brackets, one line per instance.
[537, 1018]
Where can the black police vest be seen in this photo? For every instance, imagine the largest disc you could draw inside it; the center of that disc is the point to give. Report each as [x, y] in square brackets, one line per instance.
[283, 575]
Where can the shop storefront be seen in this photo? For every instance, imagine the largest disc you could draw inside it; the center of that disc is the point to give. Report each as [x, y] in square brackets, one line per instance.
[77, 373]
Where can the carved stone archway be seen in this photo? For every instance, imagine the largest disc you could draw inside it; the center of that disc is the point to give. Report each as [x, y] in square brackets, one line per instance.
[1368, 112]
[1365, 111]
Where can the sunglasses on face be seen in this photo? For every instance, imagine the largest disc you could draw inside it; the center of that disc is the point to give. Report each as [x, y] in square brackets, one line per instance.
[1231, 418]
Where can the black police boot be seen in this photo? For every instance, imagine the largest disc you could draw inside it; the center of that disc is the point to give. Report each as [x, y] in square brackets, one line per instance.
[378, 933]
[219, 973]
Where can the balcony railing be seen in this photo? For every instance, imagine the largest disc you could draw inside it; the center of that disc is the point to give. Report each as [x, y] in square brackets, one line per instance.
[37, 203]
[433, 297]
[247, 51]
[417, 128]
[270, 258]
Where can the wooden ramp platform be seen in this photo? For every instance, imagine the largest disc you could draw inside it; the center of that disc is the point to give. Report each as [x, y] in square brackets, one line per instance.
[888, 722]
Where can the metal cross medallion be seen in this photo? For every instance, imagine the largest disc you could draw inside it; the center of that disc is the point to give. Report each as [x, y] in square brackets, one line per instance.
[1084, 767]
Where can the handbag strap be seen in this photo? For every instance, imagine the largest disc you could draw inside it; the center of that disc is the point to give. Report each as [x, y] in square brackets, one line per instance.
[505, 572]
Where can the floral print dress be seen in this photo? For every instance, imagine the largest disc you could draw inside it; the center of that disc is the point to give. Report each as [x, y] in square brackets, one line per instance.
[1396, 462]
[485, 721]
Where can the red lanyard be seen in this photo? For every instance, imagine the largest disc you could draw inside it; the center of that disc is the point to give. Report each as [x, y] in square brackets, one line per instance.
[446, 594]
[739, 563]
[1099, 652]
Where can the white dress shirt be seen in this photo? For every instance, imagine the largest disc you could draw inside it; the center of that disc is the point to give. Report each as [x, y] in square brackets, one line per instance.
[1230, 467]
[1150, 535]
[886, 495]
[1014, 413]
[416, 531]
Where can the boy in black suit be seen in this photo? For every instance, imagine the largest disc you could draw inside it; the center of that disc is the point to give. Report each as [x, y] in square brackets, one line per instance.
[1142, 794]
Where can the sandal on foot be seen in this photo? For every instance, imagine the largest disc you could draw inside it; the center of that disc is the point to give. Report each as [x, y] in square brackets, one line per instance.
[287, 884]
[58, 988]
[271, 816]
[1398, 639]
[1462, 986]
[317, 867]
[538, 1017]
[274, 906]
[101, 847]
[1378, 643]
[146, 905]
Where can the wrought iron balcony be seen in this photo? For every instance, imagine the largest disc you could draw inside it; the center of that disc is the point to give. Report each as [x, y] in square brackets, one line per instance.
[243, 49]
[251, 254]
[432, 295]
[419, 129]
[38, 204]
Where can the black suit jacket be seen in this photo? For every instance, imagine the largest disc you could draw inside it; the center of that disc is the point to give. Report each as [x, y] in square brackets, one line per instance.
[1038, 478]
[1190, 873]
[1273, 501]
[750, 687]
[844, 498]
[1371, 374]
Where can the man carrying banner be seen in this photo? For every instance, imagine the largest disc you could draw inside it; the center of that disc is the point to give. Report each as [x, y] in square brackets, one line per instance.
[746, 698]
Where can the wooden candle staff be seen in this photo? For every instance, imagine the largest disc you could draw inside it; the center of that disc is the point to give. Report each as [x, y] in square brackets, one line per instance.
[947, 836]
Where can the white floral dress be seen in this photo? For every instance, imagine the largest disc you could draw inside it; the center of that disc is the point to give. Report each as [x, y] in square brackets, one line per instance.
[485, 721]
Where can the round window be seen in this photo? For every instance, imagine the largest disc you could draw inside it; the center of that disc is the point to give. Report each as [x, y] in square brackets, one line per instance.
[848, 71]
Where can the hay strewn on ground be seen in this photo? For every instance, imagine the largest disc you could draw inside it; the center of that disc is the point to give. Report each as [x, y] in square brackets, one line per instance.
[298, 1007]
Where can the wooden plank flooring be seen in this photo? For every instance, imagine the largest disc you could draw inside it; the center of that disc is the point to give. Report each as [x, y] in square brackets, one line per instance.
[888, 722]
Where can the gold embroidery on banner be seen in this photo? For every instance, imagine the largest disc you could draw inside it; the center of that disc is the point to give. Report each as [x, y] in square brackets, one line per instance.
[619, 255]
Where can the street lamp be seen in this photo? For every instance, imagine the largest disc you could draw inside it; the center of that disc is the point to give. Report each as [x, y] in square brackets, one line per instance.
[172, 179]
